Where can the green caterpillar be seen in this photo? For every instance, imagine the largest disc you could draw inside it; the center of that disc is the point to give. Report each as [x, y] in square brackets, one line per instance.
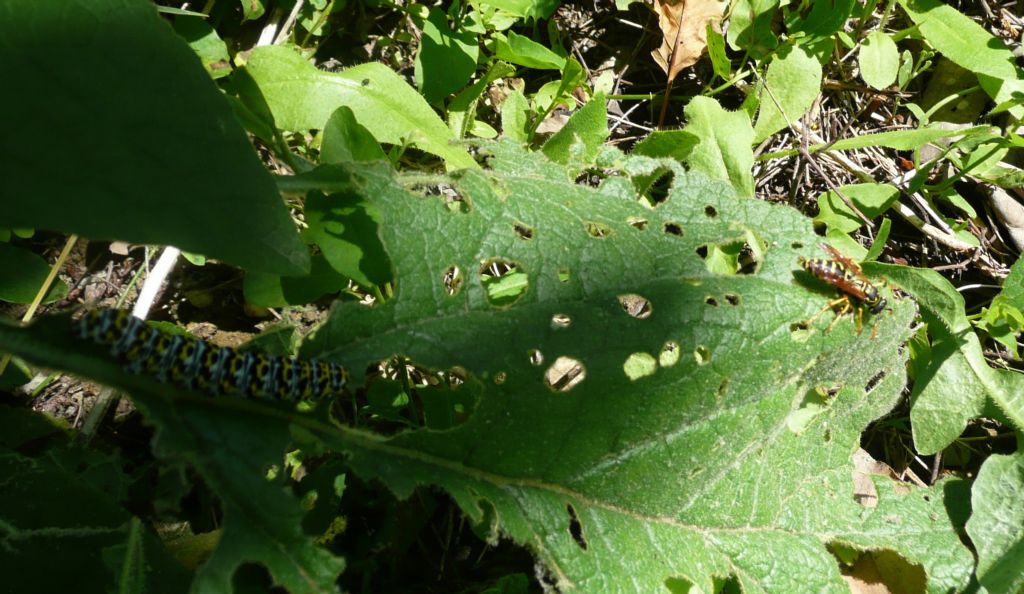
[190, 362]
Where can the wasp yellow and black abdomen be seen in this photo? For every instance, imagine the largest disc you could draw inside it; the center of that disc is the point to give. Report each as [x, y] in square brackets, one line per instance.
[190, 362]
[847, 281]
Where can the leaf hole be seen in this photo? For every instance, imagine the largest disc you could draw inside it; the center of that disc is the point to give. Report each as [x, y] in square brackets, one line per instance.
[454, 201]
[500, 378]
[710, 211]
[639, 365]
[800, 331]
[523, 230]
[590, 179]
[564, 374]
[560, 321]
[732, 299]
[563, 275]
[658, 191]
[637, 223]
[504, 280]
[536, 357]
[711, 301]
[874, 381]
[702, 354]
[723, 388]
[820, 229]
[728, 258]
[452, 280]
[669, 354]
[673, 229]
[827, 435]
[598, 230]
[636, 306]
[575, 527]
[695, 471]
[797, 245]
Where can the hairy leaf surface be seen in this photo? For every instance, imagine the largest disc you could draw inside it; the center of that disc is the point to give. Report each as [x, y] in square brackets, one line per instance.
[687, 468]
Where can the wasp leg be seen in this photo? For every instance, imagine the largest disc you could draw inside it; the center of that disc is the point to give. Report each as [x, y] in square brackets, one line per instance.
[846, 307]
[831, 305]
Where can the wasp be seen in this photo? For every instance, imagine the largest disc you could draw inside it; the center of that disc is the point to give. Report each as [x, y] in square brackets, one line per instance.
[844, 274]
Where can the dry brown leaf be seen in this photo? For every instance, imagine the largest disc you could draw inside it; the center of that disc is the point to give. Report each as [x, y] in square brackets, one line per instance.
[684, 24]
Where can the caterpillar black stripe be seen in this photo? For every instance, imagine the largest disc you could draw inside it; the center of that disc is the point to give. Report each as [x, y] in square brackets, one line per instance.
[190, 362]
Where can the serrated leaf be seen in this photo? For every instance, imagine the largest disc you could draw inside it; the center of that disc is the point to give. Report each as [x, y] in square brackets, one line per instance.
[791, 84]
[879, 60]
[694, 454]
[957, 383]
[23, 276]
[970, 46]
[724, 148]
[996, 526]
[134, 110]
[301, 97]
[585, 130]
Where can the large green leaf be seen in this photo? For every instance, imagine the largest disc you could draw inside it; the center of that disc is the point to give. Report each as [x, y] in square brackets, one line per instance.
[710, 437]
[303, 98]
[113, 130]
[997, 523]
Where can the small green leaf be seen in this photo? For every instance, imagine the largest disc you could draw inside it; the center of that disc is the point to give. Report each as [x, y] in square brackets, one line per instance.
[750, 27]
[24, 274]
[526, 52]
[251, 9]
[903, 140]
[996, 523]
[826, 17]
[675, 144]
[791, 85]
[588, 128]
[345, 139]
[515, 116]
[724, 151]
[134, 97]
[344, 225]
[271, 290]
[527, 9]
[203, 39]
[879, 60]
[871, 199]
[716, 51]
[303, 98]
[446, 59]
[970, 46]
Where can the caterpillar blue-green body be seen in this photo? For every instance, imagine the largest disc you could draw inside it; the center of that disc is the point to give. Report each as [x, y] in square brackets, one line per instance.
[193, 363]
